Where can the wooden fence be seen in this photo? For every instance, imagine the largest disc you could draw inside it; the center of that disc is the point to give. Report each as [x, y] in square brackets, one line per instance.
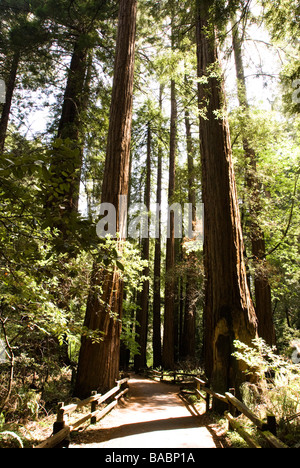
[173, 376]
[201, 388]
[61, 429]
[268, 429]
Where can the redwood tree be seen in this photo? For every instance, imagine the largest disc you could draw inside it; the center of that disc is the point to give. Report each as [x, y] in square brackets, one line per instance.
[189, 323]
[170, 283]
[63, 183]
[263, 299]
[142, 315]
[98, 365]
[24, 41]
[229, 313]
[63, 186]
[157, 349]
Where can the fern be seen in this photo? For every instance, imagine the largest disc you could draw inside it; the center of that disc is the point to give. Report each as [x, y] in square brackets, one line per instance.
[12, 435]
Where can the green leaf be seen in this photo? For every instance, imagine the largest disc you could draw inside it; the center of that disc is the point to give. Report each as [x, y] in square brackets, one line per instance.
[120, 265]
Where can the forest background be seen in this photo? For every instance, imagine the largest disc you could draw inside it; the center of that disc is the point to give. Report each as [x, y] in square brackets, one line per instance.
[57, 63]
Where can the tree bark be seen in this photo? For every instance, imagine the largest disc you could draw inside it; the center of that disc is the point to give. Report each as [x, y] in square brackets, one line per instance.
[65, 170]
[263, 298]
[170, 283]
[229, 313]
[10, 87]
[157, 349]
[98, 366]
[142, 316]
[189, 325]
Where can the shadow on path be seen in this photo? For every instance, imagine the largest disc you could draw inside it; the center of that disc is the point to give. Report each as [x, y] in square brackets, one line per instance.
[153, 417]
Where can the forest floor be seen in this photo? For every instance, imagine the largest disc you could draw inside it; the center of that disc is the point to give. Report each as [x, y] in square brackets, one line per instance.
[152, 416]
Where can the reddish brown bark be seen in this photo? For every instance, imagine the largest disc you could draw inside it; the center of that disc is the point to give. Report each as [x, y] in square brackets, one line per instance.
[229, 313]
[170, 283]
[142, 316]
[65, 170]
[98, 366]
[189, 324]
[263, 298]
[157, 349]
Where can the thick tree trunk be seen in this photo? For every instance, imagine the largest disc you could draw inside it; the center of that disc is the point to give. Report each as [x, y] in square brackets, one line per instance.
[170, 283]
[263, 298]
[229, 313]
[98, 365]
[157, 350]
[142, 316]
[10, 87]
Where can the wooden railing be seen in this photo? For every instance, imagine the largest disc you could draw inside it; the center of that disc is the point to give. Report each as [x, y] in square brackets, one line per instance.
[173, 376]
[61, 429]
[266, 428]
[201, 388]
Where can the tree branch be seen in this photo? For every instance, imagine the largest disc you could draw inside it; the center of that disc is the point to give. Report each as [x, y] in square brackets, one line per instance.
[290, 219]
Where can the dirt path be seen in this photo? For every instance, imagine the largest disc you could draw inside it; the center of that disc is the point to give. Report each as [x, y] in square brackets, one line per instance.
[153, 416]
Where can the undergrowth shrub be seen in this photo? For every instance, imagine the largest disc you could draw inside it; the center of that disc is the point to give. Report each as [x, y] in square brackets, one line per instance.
[277, 390]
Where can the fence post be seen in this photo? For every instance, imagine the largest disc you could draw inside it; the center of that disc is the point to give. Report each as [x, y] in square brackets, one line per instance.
[207, 399]
[93, 408]
[60, 419]
[232, 409]
[271, 425]
[60, 424]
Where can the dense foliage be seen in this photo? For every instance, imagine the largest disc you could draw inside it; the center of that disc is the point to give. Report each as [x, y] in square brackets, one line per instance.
[46, 269]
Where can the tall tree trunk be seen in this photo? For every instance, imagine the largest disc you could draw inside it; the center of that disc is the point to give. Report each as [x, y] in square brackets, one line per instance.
[140, 360]
[263, 298]
[62, 195]
[182, 293]
[170, 283]
[157, 264]
[189, 326]
[177, 296]
[98, 365]
[10, 87]
[229, 313]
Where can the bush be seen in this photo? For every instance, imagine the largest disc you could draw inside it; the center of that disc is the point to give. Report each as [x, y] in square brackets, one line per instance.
[277, 390]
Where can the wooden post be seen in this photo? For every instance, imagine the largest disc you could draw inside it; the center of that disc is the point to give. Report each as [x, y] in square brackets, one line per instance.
[93, 408]
[233, 412]
[60, 419]
[60, 424]
[207, 399]
[271, 425]
[232, 409]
